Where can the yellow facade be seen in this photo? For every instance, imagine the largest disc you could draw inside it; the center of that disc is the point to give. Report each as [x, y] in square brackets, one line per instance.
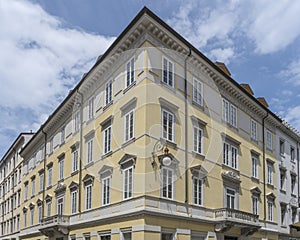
[148, 158]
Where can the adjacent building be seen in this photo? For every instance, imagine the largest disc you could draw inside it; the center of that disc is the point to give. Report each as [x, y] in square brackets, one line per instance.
[158, 142]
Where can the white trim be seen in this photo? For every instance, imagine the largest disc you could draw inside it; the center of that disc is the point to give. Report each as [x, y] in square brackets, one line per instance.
[162, 74]
[123, 182]
[127, 130]
[162, 182]
[173, 125]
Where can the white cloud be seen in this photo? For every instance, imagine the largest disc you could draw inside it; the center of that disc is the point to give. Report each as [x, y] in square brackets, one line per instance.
[292, 116]
[269, 25]
[222, 54]
[292, 73]
[40, 60]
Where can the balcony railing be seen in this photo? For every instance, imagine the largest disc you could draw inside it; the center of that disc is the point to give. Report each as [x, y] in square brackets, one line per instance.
[235, 215]
[55, 220]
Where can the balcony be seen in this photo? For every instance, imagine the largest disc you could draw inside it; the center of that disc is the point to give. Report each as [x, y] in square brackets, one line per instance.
[227, 218]
[57, 224]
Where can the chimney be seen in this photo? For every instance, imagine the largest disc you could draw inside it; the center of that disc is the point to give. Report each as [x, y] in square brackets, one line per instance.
[223, 67]
[247, 88]
[263, 101]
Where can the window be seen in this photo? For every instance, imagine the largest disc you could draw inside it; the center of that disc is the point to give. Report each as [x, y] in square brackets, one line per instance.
[88, 196]
[128, 182]
[91, 108]
[49, 176]
[283, 214]
[168, 125]
[41, 181]
[106, 190]
[292, 154]
[197, 191]
[105, 237]
[34, 160]
[168, 72]
[129, 123]
[48, 209]
[229, 113]
[270, 210]
[255, 205]
[19, 198]
[254, 167]
[167, 236]
[282, 180]
[74, 195]
[294, 214]
[33, 187]
[126, 235]
[62, 135]
[31, 216]
[75, 160]
[61, 169]
[87, 237]
[281, 147]
[270, 173]
[76, 121]
[25, 219]
[60, 206]
[26, 191]
[107, 140]
[253, 130]
[269, 140]
[230, 198]
[51, 145]
[130, 72]
[89, 147]
[197, 92]
[108, 92]
[230, 155]
[293, 183]
[167, 182]
[198, 140]
[40, 209]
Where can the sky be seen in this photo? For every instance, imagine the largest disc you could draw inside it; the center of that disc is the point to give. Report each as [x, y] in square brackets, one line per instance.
[46, 47]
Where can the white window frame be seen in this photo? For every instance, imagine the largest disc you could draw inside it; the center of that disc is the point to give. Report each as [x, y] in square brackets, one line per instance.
[40, 209]
[230, 155]
[282, 179]
[254, 166]
[198, 191]
[33, 187]
[75, 160]
[166, 133]
[128, 174]
[270, 210]
[76, 121]
[41, 181]
[51, 145]
[168, 72]
[229, 113]
[26, 191]
[107, 139]
[108, 92]
[25, 219]
[106, 185]
[281, 147]
[91, 108]
[270, 169]
[61, 164]
[48, 209]
[167, 175]
[60, 202]
[74, 200]
[198, 139]
[90, 151]
[269, 140]
[283, 217]
[253, 130]
[255, 202]
[130, 72]
[292, 153]
[232, 198]
[129, 126]
[50, 173]
[62, 134]
[293, 184]
[197, 92]
[88, 196]
[31, 216]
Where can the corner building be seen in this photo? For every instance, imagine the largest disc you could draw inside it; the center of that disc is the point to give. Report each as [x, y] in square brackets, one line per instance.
[158, 142]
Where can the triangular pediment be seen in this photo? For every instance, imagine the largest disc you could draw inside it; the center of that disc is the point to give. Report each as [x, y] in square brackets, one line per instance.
[88, 178]
[105, 171]
[73, 186]
[255, 190]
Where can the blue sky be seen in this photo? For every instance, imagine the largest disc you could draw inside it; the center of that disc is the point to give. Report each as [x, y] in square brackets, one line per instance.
[46, 46]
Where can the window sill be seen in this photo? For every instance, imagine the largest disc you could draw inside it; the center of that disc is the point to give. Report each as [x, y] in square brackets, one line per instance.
[129, 87]
[198, 105]
[293, 195]
[106, 155]
[89, 164]
[226, 167]
[169, 143]
[172, 88]
[132, 140]
[89, 120]
[283, 191]
[255, 179]
[74, 173]
[254, 140]
[49, 187]
[60, 180]
[270, 185]
[108, 105]
[198, 155]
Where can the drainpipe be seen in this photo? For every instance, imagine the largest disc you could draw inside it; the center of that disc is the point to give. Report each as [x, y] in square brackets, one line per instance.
[264, 166]
[44, 181]
[298, 171]
[13, 189]
[186, 128]
[80, 152]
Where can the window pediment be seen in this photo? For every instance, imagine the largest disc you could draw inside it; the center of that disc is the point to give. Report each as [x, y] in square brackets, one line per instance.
[255, 190]
[231, 176]
[88, 179]
[48, 198]
[230, 139]
[128, 106]
[39, 202]
[31, 205]
[105, 171]
[127, 160]
[61, 188]
[271, 196]
[199, 172]
[73, 186]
